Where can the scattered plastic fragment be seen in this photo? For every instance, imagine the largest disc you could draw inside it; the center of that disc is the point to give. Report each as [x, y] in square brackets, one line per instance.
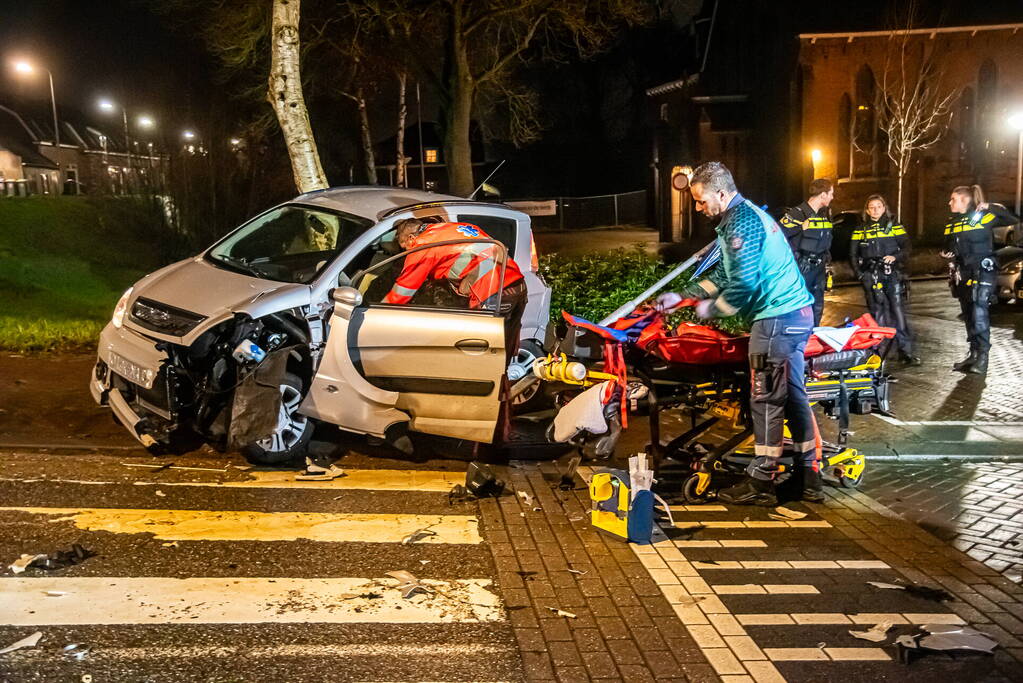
[925, 592]
[576, 519]
[785, 513]
[418, 535]
[947, 638]
[875, 634]
[55, 594]
[577, 571]
[408, 584]
[161, 494]
[527, 498]
[30, 641]
[77, 651]
[170, 544]
[22, 563]
[561, 612]
[62, 559]
[424, 562]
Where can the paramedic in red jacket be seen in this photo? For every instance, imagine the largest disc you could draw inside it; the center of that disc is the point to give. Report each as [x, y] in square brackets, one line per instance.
[471, 269]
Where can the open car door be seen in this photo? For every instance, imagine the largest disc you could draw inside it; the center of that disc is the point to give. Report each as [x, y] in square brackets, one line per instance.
[435, 362]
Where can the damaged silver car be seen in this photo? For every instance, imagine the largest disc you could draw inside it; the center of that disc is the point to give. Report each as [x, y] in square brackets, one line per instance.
[283, 323]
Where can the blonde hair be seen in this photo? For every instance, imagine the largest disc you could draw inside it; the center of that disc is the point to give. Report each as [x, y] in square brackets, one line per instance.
[974, 192]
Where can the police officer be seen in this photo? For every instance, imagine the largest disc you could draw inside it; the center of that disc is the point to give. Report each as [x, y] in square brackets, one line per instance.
[878, 253]
[970, 245]
[808, 229]
[758, 276]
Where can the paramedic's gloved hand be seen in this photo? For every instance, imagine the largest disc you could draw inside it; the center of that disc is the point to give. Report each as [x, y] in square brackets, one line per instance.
[705, 309]
[668, 301]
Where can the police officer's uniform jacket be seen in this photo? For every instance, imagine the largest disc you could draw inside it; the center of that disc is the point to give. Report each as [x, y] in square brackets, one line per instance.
[809, 232]
[872, 242]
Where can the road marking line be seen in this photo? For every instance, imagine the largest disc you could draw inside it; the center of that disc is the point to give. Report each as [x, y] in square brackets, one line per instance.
[233, 525]
[816, 619]
[698, 508]
[943, 423]
[795, 564]
[720, 544]
[374, 480]
[235, 600]
[791, 589]
[770, 588]
[719, 524]
[834, 654]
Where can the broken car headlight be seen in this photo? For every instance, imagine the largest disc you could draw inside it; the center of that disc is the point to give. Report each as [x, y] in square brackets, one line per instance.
[121, 308]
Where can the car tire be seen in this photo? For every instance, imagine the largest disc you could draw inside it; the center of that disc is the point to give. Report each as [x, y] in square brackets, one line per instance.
[290, 439]
[534, 398]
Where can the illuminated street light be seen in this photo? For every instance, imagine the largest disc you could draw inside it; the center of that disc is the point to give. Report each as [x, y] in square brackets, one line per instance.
[188, 135]
[1016, 121]
[22, 66]
[108, 106]
[235, 142]
[815, 156]
[146, 122]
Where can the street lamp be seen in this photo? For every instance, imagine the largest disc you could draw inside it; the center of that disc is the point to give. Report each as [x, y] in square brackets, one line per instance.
[188, 135]
[23, 67]
[108, 106]
[146, 122]
[1016, 121]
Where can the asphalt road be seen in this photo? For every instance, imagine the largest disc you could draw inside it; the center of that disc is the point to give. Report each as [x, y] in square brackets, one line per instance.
[195, 581]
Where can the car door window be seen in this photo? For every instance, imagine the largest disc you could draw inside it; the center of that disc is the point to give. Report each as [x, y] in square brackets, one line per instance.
[455, 275]
[501, 229]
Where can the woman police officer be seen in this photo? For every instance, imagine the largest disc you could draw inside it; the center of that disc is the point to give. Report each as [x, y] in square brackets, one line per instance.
[878, 254]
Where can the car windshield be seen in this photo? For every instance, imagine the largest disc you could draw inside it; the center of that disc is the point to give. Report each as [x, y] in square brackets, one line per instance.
[289, 244]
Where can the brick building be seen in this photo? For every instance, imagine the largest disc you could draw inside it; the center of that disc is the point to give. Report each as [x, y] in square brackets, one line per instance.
[840, 76]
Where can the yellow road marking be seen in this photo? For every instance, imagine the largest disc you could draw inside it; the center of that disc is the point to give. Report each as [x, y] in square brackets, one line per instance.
[233, 600]
[234, 525]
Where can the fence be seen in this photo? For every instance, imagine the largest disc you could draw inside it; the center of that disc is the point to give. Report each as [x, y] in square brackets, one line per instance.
[577, 213]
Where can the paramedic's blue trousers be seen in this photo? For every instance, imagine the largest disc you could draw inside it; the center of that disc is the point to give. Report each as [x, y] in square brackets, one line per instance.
[778, 391]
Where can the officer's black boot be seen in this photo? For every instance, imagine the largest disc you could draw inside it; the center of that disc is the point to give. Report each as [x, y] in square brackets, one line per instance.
[813, 485]
[750, 491]
[965, 364]
[979, 366]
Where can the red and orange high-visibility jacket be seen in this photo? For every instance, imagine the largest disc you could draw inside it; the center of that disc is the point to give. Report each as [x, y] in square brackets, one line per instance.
[471, 268]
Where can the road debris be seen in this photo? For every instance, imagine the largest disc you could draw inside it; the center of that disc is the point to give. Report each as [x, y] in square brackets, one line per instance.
[30, 641]
[408, 584]
[425, 562]
[54, 594]
[77, 651]
[526, 497]
[577, 571]
[876, 634]
[948, 638]
[22, 563]
[786, 514]
[925, 592]
[171, 544]
[62, 559]
[562, 613]
[172, 466]
[418, 535]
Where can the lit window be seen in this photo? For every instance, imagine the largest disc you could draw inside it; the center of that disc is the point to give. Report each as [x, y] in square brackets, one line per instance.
[431, 156]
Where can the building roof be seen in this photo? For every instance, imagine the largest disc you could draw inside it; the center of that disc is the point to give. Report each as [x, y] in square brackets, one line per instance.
[931, 32]
[16, 137]
[369, 201]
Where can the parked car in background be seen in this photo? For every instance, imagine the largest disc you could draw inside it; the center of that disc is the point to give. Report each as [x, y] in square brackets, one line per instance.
[1007, 234]
[1009, 261]
[282, 323]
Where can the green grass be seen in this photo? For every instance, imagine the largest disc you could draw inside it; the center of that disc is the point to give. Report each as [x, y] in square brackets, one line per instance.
[65, 261]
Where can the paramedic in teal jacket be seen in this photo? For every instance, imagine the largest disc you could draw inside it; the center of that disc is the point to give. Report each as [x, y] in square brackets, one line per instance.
[758, 277]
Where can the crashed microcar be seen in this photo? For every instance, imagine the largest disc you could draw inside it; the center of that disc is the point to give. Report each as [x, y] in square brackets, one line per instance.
[284, 322]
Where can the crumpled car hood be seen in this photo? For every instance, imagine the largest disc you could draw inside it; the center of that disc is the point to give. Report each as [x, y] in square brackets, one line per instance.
[200, 287]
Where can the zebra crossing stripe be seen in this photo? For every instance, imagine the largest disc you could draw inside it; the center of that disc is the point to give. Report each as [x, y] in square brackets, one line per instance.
[373, 480]
[236, 525]
[235, 600]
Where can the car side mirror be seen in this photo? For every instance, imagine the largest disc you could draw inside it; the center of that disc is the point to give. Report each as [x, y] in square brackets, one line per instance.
[347, 296]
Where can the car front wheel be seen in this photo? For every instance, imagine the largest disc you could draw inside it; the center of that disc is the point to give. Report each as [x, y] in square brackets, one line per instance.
[292, 433]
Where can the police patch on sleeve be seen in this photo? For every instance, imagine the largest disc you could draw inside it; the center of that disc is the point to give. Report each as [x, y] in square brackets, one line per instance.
[736, 243]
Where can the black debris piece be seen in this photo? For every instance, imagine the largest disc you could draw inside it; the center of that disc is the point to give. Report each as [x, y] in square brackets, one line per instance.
[62, 559]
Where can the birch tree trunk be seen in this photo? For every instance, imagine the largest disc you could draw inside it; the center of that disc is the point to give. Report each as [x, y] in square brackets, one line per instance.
[402, 179]
[285, 95]
[367, 138]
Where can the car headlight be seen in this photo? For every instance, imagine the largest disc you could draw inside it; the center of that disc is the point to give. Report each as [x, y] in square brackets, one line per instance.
[121, 308]
[1013, 268]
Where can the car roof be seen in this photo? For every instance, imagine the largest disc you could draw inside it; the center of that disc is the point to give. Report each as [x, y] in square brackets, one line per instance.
[370, 201]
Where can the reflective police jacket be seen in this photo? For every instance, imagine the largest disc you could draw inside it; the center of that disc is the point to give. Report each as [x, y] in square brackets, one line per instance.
[471, 268]
[808, 231]
[968, 235]
[875, 240]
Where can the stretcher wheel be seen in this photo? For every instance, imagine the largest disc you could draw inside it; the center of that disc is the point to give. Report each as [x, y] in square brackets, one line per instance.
[696, 488]
[850, 482]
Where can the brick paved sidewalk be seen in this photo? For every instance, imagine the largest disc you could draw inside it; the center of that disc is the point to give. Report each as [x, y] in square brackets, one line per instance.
[741, 599]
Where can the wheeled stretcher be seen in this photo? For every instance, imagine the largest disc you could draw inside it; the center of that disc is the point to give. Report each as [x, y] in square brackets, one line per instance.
[705, 373]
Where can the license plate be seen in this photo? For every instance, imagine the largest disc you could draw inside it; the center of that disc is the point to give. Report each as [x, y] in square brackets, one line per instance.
[130, 371]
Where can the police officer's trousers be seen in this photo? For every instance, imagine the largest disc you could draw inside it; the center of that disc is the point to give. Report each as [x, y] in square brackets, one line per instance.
[974, 293]
[778, 392]
[815, 273]
[884, 294]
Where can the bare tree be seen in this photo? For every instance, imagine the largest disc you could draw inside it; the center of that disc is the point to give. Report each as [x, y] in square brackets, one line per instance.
[286, 96]
[465, 47]
[401, 164]
[915, 103]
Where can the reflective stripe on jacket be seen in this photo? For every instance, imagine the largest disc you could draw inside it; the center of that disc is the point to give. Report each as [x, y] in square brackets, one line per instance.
[471, 268]
[875, 241]
[808, 231]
